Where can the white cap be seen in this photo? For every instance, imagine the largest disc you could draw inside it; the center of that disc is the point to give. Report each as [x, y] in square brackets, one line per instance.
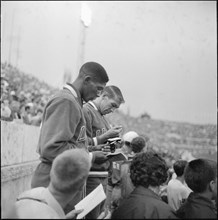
[12, 92]
[129, 136]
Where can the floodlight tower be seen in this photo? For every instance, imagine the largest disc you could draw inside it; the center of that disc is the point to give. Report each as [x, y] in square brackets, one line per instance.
[85, 20]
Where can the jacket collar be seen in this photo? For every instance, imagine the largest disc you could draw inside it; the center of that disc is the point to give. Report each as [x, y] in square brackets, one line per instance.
[43, 195]
[145, 191]
[74, 92]
[52, 202]
[199, 199]
[93, 105]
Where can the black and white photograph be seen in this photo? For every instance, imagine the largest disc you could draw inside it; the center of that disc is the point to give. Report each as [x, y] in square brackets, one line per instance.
[109, 109]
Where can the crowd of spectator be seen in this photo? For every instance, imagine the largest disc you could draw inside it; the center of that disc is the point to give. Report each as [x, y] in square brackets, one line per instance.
[172, 139]
[162, 181]
[23, 96]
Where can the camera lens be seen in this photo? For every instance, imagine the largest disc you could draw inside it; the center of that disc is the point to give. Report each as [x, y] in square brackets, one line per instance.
[112, 148]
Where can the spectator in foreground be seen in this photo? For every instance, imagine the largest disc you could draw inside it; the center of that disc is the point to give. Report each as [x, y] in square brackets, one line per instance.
[114, 177]
[201, 177]
[177, 190]
[68, 175]
[163, 187]
[138, 145]
[147, 171]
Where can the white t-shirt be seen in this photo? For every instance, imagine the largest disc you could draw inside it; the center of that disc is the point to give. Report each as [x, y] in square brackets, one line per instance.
[176, 193]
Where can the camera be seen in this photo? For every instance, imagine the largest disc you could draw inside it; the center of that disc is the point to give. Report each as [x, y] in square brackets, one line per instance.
[112, 143]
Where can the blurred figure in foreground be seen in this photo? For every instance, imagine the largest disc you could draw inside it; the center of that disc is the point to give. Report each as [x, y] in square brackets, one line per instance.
[201, 177]
[68, 175]
[147, 171]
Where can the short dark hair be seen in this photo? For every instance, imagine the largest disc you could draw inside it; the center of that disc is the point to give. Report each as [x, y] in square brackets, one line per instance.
[27, 107]
[148, 168]
[198, 174]
[179, 167]
[94, 70]
[137, 144]
[114, 92]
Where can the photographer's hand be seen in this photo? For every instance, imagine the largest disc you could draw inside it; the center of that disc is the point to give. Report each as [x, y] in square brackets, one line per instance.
[99, 157]
[106, 148]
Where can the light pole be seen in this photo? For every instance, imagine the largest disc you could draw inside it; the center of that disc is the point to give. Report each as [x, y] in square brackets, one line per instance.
[18, 48]
[85, 20]
[11, 37]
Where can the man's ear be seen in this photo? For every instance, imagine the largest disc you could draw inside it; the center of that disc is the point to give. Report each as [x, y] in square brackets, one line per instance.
[212, 185]
[87, 79]
[105, 96]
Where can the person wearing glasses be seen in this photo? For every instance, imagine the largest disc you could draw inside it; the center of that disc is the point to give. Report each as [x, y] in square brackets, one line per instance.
[99, 131]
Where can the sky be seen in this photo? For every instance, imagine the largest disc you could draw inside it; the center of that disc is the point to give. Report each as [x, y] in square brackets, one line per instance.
[161, 54]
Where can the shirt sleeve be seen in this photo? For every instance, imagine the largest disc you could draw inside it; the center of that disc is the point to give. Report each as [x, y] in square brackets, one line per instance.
[185, 192]
[89, 121]
[59, 125]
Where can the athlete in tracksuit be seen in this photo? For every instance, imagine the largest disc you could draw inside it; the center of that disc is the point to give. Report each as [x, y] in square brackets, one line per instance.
[63, 123]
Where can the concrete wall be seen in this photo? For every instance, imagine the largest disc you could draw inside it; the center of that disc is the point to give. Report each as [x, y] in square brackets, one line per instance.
[18, 160]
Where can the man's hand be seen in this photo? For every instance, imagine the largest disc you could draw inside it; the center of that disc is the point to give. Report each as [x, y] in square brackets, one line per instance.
[105, 215]
[99, 157]
[116, 196]
[73, 214]
[113, 132]
[102, 147]
[106, 148]
[96, 148]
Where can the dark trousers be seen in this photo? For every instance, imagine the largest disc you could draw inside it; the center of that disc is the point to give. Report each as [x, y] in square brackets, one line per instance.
[41, 176]
[91, 184]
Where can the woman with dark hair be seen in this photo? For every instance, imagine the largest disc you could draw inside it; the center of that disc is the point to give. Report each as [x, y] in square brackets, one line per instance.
[147, 171]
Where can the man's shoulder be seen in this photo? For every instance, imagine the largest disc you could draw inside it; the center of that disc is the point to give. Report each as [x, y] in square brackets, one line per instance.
[64, 94]
[164, 210]
[89, 107]
[27, 209]
[174, 182]
[36, 201]
[62, 97]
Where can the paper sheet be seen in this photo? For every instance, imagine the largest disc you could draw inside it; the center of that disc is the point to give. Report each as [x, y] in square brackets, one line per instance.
[91, 201]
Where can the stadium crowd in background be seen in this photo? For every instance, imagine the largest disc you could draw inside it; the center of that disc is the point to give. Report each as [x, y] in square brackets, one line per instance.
[143, 190]
[23, 96]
